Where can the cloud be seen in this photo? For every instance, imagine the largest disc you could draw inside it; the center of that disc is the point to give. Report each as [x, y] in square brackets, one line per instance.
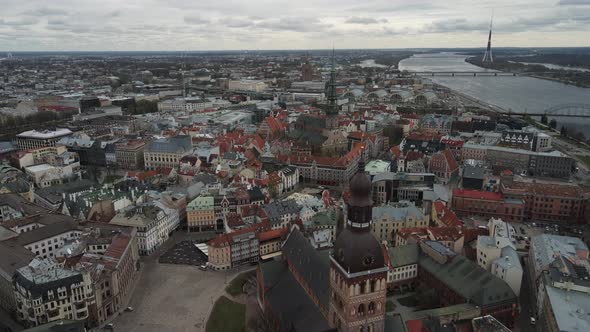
[44, 11]
[56, 21]
[197, 20]
[295, 24]
[574, 2]
[236, 22]
[364, 20]
[453, 25]
[22, 21]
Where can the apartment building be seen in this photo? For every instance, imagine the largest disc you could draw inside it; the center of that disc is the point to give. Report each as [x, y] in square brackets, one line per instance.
[34, 139]
[46, 292]
[201, 214]
[487, 204]
[389, 219]
[129, 154]
[166, 152]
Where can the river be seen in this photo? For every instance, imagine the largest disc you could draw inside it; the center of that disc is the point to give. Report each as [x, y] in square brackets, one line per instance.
[516, 93]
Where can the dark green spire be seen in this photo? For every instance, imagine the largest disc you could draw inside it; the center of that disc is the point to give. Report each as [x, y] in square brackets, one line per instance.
[331, 89]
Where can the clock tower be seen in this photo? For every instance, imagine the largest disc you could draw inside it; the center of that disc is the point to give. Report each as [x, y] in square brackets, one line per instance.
[358, 273]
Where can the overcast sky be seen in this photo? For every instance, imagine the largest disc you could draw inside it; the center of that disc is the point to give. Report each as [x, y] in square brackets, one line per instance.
[72, 25]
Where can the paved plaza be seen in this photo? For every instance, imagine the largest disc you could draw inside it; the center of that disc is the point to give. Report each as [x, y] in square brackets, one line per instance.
[171, 298]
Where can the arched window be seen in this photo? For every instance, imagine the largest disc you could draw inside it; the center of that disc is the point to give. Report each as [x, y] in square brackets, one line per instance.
[363, 288]
[361, 309]
[361, 329]
[371, 307]
[371, 327]
[373, 286]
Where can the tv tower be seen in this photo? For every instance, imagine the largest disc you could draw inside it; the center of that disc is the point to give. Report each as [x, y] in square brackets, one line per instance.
[487, 57]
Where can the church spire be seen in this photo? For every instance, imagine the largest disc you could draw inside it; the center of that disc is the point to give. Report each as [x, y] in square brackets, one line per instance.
[331, 108]
[331, 93]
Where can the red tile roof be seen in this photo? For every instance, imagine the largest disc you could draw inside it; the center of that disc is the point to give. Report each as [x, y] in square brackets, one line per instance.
[453, 166]
[226, 239]
[272, 234]
[445, 233]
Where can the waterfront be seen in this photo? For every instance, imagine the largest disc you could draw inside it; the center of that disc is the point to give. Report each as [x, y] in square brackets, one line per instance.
[518, 94]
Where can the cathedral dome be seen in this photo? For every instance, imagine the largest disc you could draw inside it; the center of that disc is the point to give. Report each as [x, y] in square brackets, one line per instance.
[360, 185]
[357, 252]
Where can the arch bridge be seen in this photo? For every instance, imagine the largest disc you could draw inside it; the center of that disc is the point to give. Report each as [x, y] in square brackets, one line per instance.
[573, 110]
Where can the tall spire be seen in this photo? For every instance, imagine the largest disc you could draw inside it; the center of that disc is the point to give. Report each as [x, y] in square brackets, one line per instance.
[487, 57]
[331, 88]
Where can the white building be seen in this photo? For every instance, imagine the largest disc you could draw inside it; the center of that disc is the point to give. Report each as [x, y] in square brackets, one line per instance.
[45, 175]
[184, 104]
[154, 223]
[403, 266]
[508, 268]
[247, 85]
[34, 139]
[497, 253]
[45, 238]
[46, 292]
[542, 142]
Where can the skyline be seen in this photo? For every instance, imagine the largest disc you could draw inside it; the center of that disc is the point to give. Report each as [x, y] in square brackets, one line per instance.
[157, 25]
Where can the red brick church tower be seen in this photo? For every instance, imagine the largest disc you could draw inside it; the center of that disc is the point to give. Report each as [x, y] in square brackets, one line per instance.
[358, 273]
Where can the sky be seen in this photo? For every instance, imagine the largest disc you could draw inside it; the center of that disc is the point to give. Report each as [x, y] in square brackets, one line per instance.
[179, 25]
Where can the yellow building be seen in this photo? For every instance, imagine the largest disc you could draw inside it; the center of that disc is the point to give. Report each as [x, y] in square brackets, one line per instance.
[200, 214]
[389, 219]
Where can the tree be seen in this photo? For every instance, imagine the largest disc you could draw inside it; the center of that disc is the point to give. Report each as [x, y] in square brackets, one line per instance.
[563, 132]
[544, 119]
[553, 124]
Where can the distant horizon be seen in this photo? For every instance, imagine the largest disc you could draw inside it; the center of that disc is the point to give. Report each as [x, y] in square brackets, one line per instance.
[4, 52]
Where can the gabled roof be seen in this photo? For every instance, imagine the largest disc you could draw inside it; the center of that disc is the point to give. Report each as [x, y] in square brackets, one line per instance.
[313, 269]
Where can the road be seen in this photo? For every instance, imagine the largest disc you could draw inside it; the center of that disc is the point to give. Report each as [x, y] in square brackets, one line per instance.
[527, 305]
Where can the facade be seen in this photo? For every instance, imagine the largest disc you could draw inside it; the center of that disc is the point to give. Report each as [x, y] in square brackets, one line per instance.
[236, 248]
[247, 85]
[289, 178]
[437, 122]
[358, 272]
[201, 214]
[395, 187]
[403, 267]
[487, 204]
[34, 139]
[47, 292]
[537, 163]
[45, 175]
[282, 213]
[166, 152]
[112, 259]
[443, 165]
[270, 242]
[184, 104]
[129, 155]
[546, 201]
[45, 237]
[389, 219]
[154, 222]
[12, 258]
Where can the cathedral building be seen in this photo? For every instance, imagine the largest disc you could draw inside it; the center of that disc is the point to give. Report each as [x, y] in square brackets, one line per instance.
[342, 290]
[358, 271]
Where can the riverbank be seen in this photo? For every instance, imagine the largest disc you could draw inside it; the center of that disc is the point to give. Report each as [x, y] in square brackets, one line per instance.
[569, 77]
